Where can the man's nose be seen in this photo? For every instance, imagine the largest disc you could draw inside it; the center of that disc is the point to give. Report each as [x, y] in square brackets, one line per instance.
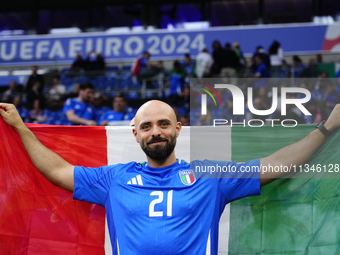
[156, 131]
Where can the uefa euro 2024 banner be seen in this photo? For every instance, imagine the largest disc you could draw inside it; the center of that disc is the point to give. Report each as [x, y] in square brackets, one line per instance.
[167, 44]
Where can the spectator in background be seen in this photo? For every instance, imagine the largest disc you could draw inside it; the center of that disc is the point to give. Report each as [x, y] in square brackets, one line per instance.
[218, 57]
[9, 94]
[230, 64]
[36, 113]
[262, 94]
[17, 102]
[119, 112]
[184, 98]
[285, 70]
[205, 120]
[184, 119]
[35, 93]
[74, 92]
[188, 64]
[176, 81]
[320, 85]
[78, 65]
[78, 110]
[95, 63]
[311, 70]
[298, 66]
[242, 63]
[263, 55]
[317, 115]
[261, 70]
[56, 92]
[228, 112]
[276, 57]
[144, 69]
[319, 59]
[204, 61]
[290, 114]
[33, 78]
[330, 96]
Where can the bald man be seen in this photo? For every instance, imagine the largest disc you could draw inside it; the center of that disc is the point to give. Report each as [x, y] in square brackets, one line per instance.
[161, 207]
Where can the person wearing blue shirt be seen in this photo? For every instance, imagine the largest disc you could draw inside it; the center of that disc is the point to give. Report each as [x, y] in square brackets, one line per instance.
[78, 110]
[161, 206]
[188, 64]
[261, 72]
[261, 69]
[119, 112]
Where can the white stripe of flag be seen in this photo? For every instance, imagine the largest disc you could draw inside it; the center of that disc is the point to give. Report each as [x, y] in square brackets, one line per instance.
[122, 148]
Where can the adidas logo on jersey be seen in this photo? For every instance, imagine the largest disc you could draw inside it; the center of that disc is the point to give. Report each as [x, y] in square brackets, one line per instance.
[136, 180]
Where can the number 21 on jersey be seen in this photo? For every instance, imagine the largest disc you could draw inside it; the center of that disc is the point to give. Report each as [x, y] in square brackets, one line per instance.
[158, 200]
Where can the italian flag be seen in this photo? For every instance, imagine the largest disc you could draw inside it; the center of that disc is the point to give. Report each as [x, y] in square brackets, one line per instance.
[292, 216]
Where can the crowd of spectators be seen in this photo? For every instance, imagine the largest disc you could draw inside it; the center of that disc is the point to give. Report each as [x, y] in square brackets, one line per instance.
[84, 104]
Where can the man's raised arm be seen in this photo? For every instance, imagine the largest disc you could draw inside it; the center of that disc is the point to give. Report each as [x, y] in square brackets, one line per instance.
[51, 165]
[300, 152]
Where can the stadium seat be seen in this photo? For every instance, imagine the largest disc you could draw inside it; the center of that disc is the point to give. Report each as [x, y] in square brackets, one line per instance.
[100, 82]
[83, 79]
[126, 68]
[112, 68]
[65, 70]
[111, 79]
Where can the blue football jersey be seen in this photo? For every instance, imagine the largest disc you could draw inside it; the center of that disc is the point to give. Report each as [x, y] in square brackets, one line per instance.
[111, 115]
[168, 210]
[82, 110]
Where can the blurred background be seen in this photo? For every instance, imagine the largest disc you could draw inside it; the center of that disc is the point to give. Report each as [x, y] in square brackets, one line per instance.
[95, 62]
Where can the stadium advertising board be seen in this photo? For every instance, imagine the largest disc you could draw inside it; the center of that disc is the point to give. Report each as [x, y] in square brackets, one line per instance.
[166, 44]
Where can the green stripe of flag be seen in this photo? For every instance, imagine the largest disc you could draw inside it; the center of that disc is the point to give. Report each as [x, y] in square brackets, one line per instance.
[292, 216]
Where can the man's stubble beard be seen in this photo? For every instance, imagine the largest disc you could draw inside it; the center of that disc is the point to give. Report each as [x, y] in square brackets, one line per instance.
[159, 152]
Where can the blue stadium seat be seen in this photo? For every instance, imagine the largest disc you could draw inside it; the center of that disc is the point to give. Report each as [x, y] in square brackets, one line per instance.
[100, 82]
[83, 79]
[111, 80]
[65, 70]
[125, 80]
[126, 68]
[132, 95]
[112, 68]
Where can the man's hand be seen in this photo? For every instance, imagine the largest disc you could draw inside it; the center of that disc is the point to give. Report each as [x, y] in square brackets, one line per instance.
[333, 121]
[104, 123]
[91, 123]
[11, 116]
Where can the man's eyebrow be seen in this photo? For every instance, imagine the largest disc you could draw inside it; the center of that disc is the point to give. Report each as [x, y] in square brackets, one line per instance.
[158, 121]
[163, 120]
[145, 123]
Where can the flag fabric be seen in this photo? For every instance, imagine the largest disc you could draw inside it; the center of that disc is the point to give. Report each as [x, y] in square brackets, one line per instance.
[292, 216]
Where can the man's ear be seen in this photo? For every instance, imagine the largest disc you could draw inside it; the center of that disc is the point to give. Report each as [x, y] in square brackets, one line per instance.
[134, 131]
[178, 128]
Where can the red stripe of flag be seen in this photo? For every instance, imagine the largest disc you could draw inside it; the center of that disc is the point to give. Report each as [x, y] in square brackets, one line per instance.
[36, 216]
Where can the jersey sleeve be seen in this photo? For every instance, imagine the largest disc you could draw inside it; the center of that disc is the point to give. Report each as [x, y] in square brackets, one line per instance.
[89, 113]
[68, 106]
[93, 184]
[102, 118]
[245, 181]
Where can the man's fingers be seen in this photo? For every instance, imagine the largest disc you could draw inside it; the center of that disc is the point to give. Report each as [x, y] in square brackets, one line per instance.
[5, 106]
